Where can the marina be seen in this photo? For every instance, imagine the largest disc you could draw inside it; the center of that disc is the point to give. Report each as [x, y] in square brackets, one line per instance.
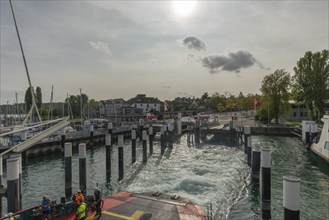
[186, 171]
[105, 154]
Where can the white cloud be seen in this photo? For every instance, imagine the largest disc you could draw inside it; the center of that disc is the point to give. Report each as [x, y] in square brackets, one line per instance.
[101, 46]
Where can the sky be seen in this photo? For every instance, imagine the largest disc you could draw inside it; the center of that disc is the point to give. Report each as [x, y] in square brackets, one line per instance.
[164, 49]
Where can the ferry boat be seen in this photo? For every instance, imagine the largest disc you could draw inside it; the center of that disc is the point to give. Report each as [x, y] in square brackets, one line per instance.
[126, 205]
[321, 146]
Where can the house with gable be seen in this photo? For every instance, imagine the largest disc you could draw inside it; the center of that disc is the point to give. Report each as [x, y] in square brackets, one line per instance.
[147, 104]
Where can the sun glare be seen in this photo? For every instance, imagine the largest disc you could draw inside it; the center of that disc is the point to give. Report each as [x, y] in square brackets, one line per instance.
[184, 8]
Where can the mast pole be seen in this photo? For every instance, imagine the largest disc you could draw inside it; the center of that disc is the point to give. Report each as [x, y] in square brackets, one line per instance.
[26, 69]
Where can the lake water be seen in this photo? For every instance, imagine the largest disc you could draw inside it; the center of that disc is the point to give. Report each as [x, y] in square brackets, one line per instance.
[212, 172]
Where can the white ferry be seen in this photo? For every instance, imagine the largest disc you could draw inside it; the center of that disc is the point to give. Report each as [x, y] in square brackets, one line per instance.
[321, 147]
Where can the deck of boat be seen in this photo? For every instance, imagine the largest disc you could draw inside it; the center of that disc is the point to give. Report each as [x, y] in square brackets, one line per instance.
[145, 206]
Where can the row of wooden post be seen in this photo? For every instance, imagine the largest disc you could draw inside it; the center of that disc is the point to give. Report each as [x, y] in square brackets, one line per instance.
[260, 162]
[14, 163]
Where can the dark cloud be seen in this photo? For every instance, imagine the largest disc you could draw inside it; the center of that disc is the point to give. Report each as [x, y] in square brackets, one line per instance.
[234, 62]
[193, 43]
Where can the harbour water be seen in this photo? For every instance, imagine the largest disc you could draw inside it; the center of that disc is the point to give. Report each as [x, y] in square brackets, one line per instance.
[212, 172]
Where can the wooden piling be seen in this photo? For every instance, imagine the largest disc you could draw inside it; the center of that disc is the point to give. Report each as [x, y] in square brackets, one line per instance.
[108, 150]
[291, 200]
[133, 145]
[120, 157]
[19, 156]
[197, 132]
[249, 148]
[13, 185]
[68, 169]
[91, 133]
[144, 135]
[151, 139]
[266, 183]
[82, 168]
[162, 140]
[1, 183]
[255, 168]
[179, 123]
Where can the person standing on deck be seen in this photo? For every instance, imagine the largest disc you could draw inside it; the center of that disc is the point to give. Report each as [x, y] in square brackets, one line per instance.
[98, 198]
[45, 204]
[81, 211]
[79, 196]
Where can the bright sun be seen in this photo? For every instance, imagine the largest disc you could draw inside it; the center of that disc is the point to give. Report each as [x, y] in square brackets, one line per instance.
[184, 8]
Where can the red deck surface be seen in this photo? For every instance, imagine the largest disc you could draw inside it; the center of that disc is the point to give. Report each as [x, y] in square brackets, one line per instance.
[146, 206]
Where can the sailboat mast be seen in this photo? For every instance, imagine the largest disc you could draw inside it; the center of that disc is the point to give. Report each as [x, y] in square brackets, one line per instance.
[26, 69]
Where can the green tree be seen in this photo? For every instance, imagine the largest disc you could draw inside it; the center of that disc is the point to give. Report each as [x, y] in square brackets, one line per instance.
[276, 87]
[311, 82]
[28, 98]
[38, 97]
[221, 107]
[74, 101]
[204, 96]
[231, 103]
[215, 99]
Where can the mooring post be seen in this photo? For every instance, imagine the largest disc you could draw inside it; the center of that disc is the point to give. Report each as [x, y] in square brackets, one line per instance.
[141, 128]
[120, 157]
[162, 140]
[246, 133]
[197, 131]
[20, 201]
[171, 135]
[82, 168]
[151, 139]
[266, 182]
[255, 168]
[249, 150]
[179, 124]
[68, 169]
[133, 145]
[63, 140]
[1, 174]
[144, 146]
[291, 203]
[13, 185]
[91, 133]
[109, 128]
[108, 154]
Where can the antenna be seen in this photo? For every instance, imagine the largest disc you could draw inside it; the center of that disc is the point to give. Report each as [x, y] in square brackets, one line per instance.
[29, 115]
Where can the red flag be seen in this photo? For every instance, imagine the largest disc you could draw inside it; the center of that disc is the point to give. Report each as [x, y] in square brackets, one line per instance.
[255, 103]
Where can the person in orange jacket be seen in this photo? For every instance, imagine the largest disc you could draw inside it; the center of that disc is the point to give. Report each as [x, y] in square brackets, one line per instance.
[78, 197]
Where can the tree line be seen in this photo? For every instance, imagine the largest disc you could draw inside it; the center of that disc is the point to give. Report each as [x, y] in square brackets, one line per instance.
[309, 85]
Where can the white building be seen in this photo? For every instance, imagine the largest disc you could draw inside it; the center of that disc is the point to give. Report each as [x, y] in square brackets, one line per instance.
[148, 104]
[111, 106]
